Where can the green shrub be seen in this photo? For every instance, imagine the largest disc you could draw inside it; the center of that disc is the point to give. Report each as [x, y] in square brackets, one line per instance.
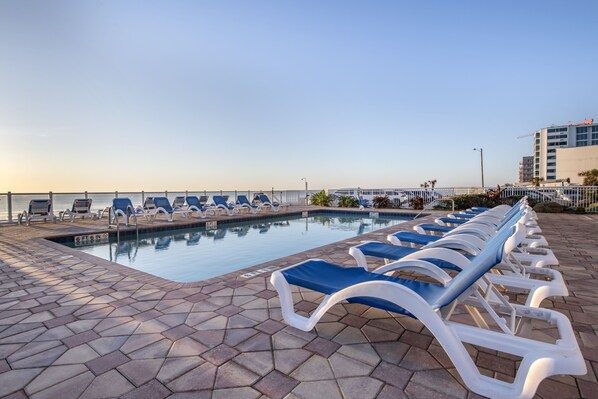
[417, 203]
[347, 201]
[382, 202]
[466, 201]
[322, 199]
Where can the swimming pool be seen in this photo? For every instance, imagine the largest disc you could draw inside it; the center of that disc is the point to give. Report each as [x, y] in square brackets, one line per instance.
[186, 255]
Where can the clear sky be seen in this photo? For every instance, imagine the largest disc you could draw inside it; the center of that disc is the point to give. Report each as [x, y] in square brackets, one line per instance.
[248, 94]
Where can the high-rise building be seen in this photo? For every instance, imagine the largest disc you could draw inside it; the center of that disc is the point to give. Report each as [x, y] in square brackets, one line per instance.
[526, 169]
[547, 140]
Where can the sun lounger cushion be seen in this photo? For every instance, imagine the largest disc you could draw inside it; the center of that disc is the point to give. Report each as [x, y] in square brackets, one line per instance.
[329, 278]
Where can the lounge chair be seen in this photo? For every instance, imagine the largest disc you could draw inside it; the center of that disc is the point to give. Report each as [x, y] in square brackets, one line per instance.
[363, 203]
[81, 209]
[163, 207]
[243, 202]
[148, 206]
[220, 203]
[434, 303]
[510, 272]
[39, 209]
[123, 207]
[178, 202]
[194, 205]
[265, 202]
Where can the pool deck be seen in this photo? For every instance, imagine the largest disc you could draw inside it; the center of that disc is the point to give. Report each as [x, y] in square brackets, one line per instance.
[76, 326]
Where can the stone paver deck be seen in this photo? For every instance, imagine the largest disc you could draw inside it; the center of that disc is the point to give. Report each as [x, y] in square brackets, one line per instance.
[75, 326]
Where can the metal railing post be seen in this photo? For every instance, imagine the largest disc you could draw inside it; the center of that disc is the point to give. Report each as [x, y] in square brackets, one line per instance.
[116, 194]
[86, 195]
[142, 197]
[166, 193]
[186, 193]
[51, 196]
[9, 199]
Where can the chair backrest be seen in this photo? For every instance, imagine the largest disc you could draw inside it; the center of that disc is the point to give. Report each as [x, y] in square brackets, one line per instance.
[203, 199]
[490, 255]
[226, 197]
[219, 200]
[192, 200]
[81, 205]
[178, 202]
[162, 202]
[40, 207]
[264, 198]
[123, 204]
[242, 199]
[149, 203]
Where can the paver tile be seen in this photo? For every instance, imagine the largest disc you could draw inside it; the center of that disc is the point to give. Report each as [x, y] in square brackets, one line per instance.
[231, 375]
[140, 371]
[54, 375]
[220, 354]
[69, 389]
[199, 378]
[322, 347]
[276, 385]
[175, 367]
[260, 363]
[108, 385]
[15, 380]
[81, 338]
[318, 389]
[152, 390]
[104, 363]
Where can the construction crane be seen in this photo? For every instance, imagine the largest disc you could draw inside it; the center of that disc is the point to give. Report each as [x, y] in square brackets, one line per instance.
[525, 135]
[586, 122]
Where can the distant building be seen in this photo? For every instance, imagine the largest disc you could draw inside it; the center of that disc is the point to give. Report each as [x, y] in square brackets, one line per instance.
[526, 169]
[550, 139]
[571, 161]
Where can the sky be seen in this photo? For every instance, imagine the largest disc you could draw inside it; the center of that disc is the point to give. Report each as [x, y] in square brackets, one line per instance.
[225, 95]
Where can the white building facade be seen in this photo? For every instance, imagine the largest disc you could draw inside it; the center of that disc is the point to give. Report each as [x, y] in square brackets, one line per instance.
[547, 140]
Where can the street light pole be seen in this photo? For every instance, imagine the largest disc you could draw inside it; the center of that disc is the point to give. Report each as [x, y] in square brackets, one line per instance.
[306, 196]
[481, 150]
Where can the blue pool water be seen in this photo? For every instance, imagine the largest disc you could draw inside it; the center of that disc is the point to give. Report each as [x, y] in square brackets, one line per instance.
[196, 254]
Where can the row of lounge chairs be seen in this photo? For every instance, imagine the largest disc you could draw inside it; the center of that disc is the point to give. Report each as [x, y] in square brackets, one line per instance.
[41, 209]
[187, 207]
[464, 265]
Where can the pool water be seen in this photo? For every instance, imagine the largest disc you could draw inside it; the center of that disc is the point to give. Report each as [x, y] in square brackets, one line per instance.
[186, 255]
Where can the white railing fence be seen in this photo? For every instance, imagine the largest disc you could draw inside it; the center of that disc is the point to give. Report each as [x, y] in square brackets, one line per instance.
[13, 203]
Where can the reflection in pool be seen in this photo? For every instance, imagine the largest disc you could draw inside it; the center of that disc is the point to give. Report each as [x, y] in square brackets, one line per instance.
[186, 255]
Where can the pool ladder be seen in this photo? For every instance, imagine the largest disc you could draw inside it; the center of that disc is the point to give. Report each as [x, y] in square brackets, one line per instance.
[111, 216]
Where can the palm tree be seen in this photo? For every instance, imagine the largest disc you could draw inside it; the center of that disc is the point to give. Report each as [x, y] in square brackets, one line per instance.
[424, 185]
[590, 177]
[432, 183]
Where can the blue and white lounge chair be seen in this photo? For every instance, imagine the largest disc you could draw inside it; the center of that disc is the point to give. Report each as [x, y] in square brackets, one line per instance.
[163, 207]
[363, 203]
[81, 209]
[39, 209]
[194, 205]
[243, 202]
[433, 305]
[265, 202]
[123, 207]
[538, 283]
[220, 203]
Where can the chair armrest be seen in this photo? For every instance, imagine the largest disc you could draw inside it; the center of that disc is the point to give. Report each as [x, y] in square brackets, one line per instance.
[416, 265]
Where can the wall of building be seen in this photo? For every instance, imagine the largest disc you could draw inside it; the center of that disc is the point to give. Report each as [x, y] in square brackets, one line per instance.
[571, 161]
